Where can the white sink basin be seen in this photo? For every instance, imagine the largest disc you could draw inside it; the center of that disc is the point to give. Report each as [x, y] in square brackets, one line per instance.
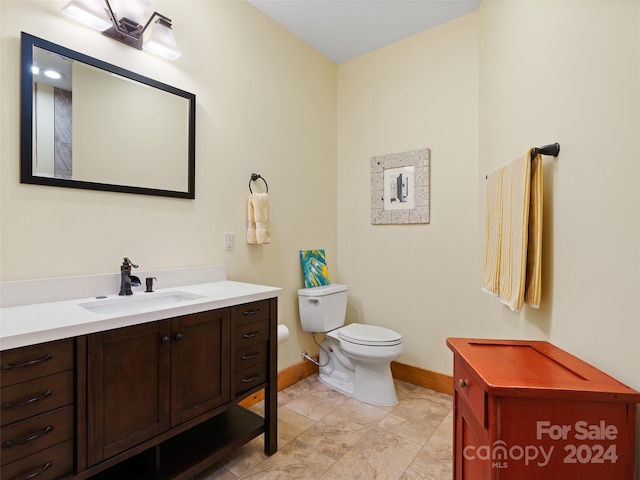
[139, 301]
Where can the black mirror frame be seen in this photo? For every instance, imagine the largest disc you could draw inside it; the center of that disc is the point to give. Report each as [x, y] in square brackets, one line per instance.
[28, 42]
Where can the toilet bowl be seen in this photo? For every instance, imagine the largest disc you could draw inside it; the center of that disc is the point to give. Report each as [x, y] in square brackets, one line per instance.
[354, 359]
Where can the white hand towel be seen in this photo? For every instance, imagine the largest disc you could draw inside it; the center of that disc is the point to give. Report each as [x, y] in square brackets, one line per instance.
[258, 219]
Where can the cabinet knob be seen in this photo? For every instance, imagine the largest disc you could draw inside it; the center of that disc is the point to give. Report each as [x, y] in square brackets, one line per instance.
[463, 382]
[178, 336]
[165, 340]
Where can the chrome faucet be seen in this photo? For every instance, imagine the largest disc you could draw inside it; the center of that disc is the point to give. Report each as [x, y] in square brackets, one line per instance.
[126, 279]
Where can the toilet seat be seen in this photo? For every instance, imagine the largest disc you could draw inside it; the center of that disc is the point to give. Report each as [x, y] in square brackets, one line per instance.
[370, 335]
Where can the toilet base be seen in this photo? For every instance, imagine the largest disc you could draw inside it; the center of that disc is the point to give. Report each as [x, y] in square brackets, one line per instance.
[337, 382]
[369, 381]
[368, 386]
[374, 384]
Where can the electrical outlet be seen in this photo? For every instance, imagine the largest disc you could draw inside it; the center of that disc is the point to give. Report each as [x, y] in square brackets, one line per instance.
[228, 241]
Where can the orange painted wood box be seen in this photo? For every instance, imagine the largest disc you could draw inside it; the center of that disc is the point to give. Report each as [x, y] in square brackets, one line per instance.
[529, 410]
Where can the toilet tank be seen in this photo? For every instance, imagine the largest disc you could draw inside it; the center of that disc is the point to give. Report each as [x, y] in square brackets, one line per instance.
[322, 309]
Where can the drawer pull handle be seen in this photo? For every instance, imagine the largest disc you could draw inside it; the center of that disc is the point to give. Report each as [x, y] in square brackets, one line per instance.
[252, 334]
[44, 468]
[165, 340]
[178, 336]
[10, 366]
[463, 382]
[250, 379]
[249, 357]
[9, 405]
[251, 312]
[22, 441]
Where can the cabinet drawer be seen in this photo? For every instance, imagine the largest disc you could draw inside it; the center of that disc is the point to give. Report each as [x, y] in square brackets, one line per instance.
[250, 377]
[250, 356]
[26, 363]
[49, 464]
[251, 334]
[37, 433]
[26, 399]
[250, 312]
[469, 388]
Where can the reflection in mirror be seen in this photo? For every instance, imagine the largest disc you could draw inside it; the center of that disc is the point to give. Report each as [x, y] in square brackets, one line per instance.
[93, 125]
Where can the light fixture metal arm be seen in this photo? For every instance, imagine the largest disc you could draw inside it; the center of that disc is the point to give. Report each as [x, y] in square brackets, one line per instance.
[165, 20]
[100, 15]
[135, 33]
[127, 30]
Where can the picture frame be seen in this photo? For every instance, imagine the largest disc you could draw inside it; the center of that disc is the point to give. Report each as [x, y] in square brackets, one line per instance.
[400, 188]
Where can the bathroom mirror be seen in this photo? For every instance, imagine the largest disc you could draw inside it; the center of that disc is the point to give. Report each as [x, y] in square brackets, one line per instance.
[100, 127]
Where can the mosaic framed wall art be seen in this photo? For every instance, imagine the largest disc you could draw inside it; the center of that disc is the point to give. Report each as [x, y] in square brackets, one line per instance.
[400, 188]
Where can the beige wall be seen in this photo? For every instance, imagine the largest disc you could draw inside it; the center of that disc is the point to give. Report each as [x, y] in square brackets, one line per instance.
[420, 280]
[574, 81]
[265, 104]
[478, 91]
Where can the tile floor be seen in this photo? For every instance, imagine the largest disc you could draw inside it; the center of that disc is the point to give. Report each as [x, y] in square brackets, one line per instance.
[323, 434]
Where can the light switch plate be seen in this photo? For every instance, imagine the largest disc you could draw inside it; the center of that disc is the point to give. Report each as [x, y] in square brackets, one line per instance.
[228, 241]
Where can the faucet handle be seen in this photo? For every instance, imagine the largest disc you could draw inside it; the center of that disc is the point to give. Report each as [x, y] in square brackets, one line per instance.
[128, 263]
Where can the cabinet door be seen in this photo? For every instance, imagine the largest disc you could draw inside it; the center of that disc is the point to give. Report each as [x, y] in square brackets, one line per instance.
[469, 436]
[128, 387]
[200, 364]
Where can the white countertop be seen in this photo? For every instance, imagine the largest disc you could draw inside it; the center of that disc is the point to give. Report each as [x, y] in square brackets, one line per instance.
[43, 322]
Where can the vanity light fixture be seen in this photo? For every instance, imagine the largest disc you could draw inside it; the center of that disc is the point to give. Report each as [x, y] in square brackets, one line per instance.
[121, 20]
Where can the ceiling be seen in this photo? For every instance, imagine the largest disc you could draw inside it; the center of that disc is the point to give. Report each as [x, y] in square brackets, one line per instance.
[345, 29]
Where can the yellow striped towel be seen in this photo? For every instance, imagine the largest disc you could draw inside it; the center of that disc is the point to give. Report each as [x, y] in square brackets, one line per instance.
[533, 290]
[513, 243]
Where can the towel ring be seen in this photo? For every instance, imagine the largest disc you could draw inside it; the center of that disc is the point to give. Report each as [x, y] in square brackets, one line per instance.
[255, 177]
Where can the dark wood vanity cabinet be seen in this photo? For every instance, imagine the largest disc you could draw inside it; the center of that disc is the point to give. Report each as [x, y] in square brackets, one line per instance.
[162, 396]
[250, 346]
[200, 371]
[127, 388]
[157, 400]
[37, 412]
[145, 379]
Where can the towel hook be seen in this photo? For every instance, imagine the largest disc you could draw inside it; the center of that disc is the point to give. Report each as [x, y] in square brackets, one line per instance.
[254, 178]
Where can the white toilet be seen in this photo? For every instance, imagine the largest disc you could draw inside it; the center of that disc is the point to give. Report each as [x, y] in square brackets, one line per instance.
[355, 359]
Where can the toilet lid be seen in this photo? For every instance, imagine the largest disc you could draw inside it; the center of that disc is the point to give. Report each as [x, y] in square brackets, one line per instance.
[369, 335]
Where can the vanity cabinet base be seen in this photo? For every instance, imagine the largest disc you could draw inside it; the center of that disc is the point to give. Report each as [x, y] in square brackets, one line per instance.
[162, 397]
[185, 455]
